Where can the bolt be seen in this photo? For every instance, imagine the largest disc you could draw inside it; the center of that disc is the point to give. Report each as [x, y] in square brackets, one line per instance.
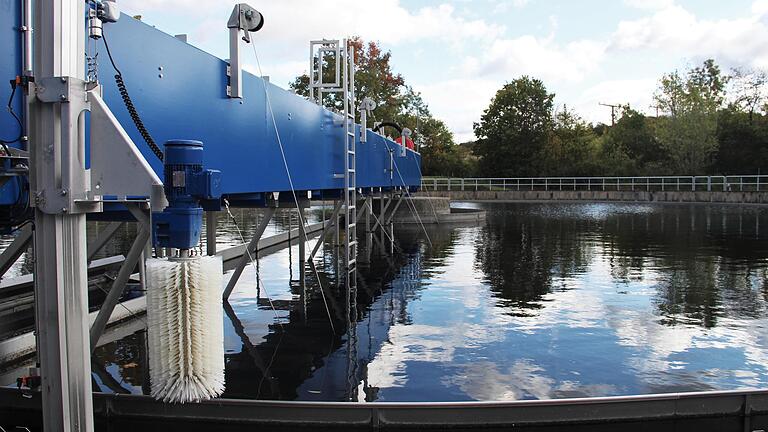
[159, 75]
[63, 79]
[159, 68]
[63, 97]
[63, 192]
[63, 209]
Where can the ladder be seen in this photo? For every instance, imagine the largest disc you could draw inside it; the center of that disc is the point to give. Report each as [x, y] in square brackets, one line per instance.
[337, 77]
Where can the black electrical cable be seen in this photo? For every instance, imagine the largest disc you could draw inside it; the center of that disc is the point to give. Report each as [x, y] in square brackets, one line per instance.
[390, 124]
[18, 120]
[129, 104]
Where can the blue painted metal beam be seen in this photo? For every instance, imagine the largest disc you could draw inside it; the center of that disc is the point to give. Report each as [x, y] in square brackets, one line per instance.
[180, 92]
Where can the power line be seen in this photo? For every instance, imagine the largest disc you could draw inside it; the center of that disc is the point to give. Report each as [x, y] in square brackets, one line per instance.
[613, 111]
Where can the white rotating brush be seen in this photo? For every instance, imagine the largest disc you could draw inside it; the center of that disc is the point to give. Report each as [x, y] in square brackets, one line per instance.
[186, 333]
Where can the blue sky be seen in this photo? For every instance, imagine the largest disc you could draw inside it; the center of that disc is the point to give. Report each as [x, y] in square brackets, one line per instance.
[457, 53]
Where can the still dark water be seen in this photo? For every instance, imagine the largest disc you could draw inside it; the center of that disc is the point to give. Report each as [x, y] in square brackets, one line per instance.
[542, 301]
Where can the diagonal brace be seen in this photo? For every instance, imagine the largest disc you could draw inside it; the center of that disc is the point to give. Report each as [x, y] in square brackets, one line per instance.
[118, 285]
[252, 248]
[326, 229]
[96, 244]
[15, 249]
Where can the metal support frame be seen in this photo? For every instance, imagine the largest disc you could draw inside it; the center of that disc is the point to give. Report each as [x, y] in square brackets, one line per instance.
[330, 224]
[344, 86]
[101, 240]
[252, 248]
[57, 170]
[210, 233]
[118, 285]
[12, 253]
[302, 248]
[243, 20]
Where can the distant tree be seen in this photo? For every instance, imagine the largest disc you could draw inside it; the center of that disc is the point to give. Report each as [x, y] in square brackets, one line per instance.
[748, 88]
[742, 142]
[399, 103]
[513, 131]
[570, 150]
[633, 136]
[374, 78]
[688, 131]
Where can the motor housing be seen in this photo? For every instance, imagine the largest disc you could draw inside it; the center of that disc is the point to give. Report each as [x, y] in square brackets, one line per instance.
[186, 184]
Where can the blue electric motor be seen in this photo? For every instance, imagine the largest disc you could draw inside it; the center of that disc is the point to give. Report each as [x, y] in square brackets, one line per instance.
[186, 184]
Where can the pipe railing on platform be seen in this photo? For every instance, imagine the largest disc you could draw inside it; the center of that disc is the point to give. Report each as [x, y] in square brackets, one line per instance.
[740, 183]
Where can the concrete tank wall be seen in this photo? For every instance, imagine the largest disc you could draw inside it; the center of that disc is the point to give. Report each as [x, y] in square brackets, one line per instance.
[636, 196]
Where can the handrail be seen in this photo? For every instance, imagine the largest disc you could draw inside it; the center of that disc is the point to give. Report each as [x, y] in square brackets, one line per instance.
[731, 183]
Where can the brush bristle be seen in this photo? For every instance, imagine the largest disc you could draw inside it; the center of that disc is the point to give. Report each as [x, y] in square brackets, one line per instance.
[185, 327]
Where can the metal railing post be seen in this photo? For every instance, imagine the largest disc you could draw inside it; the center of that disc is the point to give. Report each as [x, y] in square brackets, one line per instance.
[678, 184]
[504, 185]
[633, 184]
[662, 184]
[603, 184]
[693, 184]
[449, 183]
[462, 185]
[709, 183]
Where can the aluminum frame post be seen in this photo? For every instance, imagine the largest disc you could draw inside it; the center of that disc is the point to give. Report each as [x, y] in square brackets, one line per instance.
[251, 248]
[57, 156]
[12, 253]
[368, 208]
[302, 246]
[210, 233]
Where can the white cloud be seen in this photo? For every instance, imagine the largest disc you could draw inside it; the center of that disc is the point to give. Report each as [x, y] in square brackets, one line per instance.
[676, 30]
[486, 54]
[459, 102]
[638, 93]
[649, 4]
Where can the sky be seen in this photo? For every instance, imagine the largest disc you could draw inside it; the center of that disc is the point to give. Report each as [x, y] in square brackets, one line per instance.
[458, 53]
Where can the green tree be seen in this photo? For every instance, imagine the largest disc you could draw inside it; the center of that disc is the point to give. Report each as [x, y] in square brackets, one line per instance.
[743, 142]
[374, 78]
[632, 139]
[688, 132]
[399, 103]
[513, 131]
[571, 147]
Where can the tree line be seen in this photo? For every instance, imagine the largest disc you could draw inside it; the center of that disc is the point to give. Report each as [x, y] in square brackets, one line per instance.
[707, 122]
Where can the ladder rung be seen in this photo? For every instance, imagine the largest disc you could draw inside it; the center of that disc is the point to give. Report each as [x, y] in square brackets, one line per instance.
[353, 243]
[350, 151]
[352, 261]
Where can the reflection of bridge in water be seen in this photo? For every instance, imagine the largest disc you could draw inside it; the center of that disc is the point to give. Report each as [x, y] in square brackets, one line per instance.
[304, 357]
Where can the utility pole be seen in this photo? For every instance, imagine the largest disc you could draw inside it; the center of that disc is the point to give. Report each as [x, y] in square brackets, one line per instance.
[613, 111]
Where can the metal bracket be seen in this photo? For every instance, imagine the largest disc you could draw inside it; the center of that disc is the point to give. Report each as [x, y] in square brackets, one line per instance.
[117, 166]
[63, 154]
[59, 89]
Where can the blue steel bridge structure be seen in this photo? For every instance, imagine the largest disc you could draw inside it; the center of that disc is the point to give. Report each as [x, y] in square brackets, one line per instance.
[180, 92]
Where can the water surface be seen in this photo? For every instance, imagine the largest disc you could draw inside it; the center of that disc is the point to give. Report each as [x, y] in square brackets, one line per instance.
[541, 301]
